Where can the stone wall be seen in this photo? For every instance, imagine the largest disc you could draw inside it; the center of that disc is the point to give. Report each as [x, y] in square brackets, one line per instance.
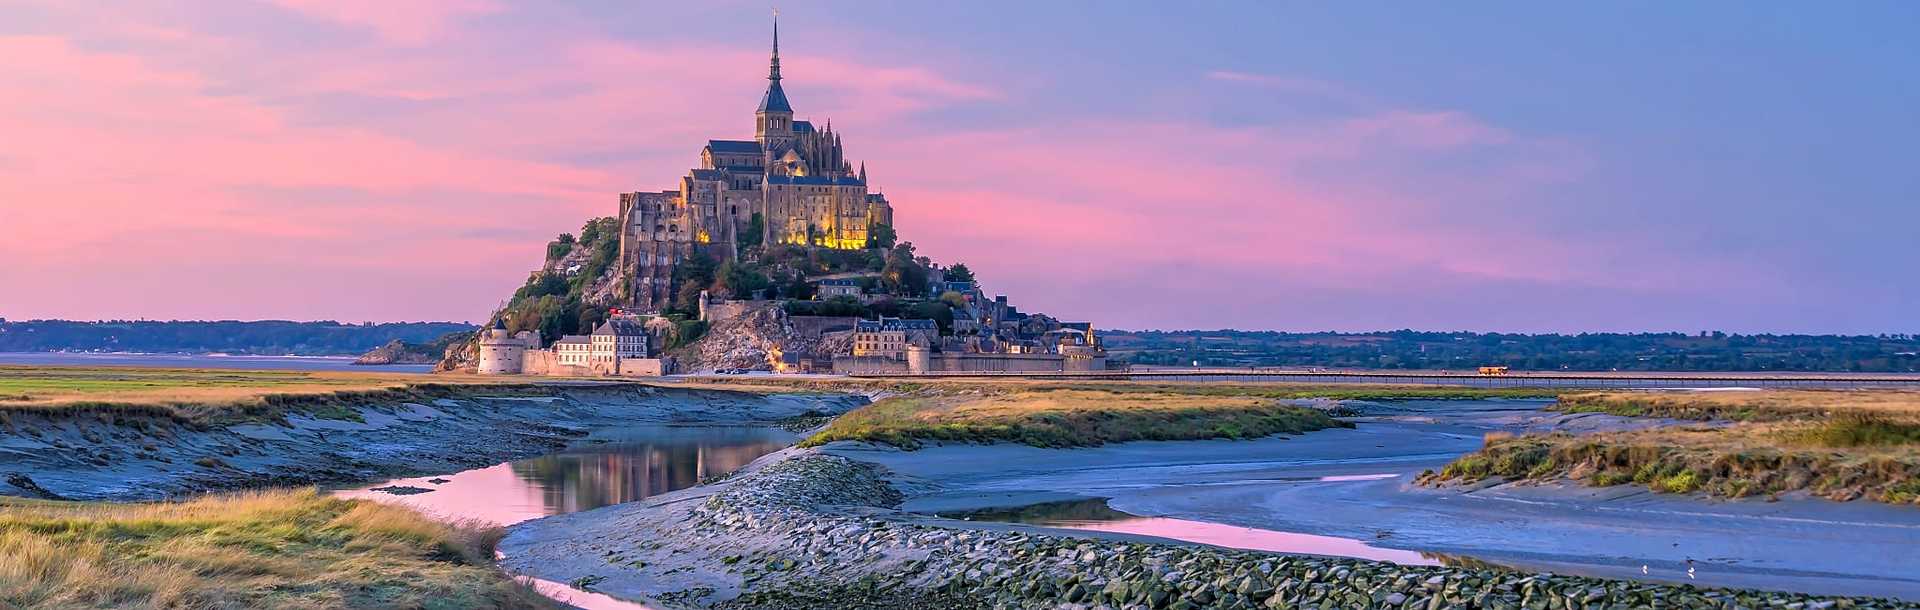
[645, 367]
[816, 326]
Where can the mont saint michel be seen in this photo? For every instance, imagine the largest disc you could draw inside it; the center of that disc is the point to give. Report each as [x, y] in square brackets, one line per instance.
[791, 184]
[1233, 305]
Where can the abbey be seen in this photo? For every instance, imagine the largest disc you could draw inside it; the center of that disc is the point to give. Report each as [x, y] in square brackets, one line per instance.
[790, 184]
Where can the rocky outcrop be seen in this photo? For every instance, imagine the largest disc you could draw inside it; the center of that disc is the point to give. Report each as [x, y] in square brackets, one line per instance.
[399, 352]
[809, 530]
[748, 340]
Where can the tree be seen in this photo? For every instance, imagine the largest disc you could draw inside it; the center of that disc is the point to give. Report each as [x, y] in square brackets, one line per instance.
[739, 280]
[959, 273]
[880, 235]
[756, 231]
[797, 287]
[954, 299]
[692, 276]
[559, 247]
[903, 275]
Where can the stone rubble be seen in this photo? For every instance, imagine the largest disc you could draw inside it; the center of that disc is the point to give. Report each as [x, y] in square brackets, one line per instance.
[818, 531]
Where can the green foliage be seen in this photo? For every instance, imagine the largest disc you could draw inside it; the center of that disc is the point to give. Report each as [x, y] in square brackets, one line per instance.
[906, 422]
[559, 247]
[953, 299]
[739, 280]
[959, 273]
[542, 284]
[691, 277]
[939, 312]
[880, 236]
[903, 274]
[685, 332]
[797, 288]
[755, 234]
[1859, 429]
[554, 304]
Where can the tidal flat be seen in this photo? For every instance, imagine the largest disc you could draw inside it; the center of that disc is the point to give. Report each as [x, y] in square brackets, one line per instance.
[1324, 516]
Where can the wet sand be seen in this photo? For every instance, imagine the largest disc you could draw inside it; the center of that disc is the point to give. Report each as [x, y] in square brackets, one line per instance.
[1796, 544]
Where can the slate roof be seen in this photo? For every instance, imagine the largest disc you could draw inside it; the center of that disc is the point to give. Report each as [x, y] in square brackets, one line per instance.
[734, 146]
[814, 181]
[619, 326]
[803, 126]
[775, 100]
[708, 174]
[892, 324]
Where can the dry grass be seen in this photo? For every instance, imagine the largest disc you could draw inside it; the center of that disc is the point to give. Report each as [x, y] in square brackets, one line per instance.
[1765, 405]
[1068, 418]
[1835, 444]
[202, 395]
[276, 549]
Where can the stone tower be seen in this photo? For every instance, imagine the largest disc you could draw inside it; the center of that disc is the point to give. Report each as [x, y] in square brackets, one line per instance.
[773, 122]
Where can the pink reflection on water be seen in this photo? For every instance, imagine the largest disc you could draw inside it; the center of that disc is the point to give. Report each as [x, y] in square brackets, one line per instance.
[1251, 539]
[492, 495]
[585, 600]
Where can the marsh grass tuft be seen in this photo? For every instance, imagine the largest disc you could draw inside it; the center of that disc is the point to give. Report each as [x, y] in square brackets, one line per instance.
[1838, 445]
[1069, 418]
[267, 549]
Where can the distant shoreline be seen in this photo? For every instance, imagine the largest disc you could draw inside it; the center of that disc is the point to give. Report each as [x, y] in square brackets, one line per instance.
[209, 360]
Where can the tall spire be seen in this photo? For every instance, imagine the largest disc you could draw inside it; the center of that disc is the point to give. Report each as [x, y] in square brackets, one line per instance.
[776, 99]
[773, 74]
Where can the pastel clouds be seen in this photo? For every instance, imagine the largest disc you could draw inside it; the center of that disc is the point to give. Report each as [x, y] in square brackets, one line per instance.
[177, 168]
[409, 22]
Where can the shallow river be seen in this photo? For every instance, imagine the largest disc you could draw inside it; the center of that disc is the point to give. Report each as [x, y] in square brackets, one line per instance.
[1334, 492]
[609, 467]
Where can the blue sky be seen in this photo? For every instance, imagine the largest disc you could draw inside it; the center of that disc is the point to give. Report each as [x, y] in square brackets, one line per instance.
[1299, 166]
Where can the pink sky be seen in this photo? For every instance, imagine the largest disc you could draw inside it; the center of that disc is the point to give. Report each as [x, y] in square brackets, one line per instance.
[410, 163]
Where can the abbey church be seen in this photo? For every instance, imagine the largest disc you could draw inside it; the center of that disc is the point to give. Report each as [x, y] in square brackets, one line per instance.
[793, 176]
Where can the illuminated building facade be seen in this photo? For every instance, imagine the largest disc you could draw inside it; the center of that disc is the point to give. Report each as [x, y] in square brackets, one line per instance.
[794, 176]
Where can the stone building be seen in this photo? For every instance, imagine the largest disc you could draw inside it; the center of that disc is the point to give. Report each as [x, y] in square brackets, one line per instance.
[890, 337]
[616, 347]
[839, 287]
[502, 353]
[794, 176]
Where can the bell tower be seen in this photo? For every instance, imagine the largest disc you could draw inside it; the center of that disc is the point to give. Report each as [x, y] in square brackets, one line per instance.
[773, 122]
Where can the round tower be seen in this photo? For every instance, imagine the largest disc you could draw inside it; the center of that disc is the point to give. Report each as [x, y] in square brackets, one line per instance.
[501, 353]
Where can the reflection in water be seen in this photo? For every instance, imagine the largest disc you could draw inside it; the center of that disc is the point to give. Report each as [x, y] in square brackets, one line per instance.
[609, 468]
[1095, 515]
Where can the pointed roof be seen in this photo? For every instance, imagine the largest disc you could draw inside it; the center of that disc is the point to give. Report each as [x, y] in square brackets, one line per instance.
[776, 98]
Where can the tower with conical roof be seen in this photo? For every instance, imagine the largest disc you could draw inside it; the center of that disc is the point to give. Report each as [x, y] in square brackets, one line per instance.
[773, 122]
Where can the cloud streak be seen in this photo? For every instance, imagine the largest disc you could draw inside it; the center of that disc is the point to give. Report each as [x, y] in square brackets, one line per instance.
[162, 165]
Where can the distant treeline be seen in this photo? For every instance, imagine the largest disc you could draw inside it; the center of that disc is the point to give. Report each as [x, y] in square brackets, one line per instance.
[263, 338]
[1407, 349]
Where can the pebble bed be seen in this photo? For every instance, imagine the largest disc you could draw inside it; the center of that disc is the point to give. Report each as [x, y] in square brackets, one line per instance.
[818, 531]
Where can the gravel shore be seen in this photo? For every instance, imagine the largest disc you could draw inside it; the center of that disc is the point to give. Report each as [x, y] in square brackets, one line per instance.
[802, 529]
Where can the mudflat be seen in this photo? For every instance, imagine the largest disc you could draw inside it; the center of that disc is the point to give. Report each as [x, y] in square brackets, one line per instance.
[1795, 543]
